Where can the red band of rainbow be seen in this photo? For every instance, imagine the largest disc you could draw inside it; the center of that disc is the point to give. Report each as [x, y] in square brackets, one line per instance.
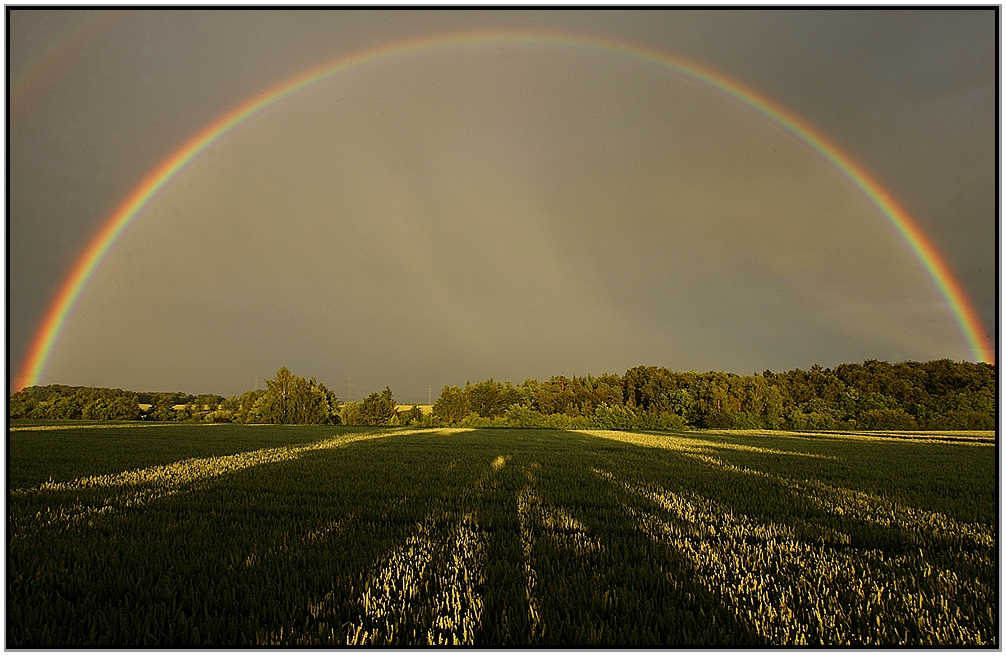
[45, 339]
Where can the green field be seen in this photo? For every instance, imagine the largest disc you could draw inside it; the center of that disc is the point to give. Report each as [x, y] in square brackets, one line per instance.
[169, 534]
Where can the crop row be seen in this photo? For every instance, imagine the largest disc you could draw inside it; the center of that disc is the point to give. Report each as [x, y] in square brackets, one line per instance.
[796, 592]
[510, 538]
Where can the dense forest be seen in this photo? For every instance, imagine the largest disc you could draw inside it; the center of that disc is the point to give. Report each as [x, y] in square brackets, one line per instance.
[874, 395]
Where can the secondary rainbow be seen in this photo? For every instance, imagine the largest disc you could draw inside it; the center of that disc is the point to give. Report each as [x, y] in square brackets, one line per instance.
[59, 310]
[50, 59]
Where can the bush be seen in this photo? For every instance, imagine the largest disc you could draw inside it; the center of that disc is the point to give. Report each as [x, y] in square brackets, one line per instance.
[411, 417]
[967, 420]
[811, 421]
[887, 419]
[745, 421]
[719, 419]
[617, 417]
[21, 406]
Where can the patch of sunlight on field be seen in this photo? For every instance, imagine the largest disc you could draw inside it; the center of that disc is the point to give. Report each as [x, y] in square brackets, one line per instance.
[15, 429]
[396, 589]
[836, 500]
[800, 593]
[686, 444]
[423, 592]
[140, 486]
[527, 499]
[973, 437]
[870, 508]
[314, 536]
[426, 590]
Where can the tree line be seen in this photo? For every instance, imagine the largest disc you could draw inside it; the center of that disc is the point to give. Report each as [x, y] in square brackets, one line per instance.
[874, 395]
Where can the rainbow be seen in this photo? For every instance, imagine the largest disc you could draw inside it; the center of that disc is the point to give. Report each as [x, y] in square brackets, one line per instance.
[44, 66]
[60, 308]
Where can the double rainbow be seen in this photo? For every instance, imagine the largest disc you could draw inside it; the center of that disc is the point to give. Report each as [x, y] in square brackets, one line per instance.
[49, 331]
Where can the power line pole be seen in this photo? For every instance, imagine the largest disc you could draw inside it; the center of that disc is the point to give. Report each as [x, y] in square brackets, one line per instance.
[429, 396]
[349, 389]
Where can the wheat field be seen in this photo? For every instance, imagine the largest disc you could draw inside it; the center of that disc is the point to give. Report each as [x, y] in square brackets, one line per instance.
[312, 535]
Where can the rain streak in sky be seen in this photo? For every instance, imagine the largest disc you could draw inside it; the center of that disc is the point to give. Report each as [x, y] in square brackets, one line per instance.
[526, 205]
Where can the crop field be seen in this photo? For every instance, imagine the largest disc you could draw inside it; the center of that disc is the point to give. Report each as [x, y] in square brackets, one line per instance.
[172, 534]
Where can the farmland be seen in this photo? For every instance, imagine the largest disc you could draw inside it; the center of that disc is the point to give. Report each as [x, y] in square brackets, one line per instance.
[168, 534]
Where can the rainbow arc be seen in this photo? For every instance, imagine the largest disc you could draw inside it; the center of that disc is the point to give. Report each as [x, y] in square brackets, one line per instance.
[61, 307]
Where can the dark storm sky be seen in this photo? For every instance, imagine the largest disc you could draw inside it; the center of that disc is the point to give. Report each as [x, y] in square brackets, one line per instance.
[515, 210]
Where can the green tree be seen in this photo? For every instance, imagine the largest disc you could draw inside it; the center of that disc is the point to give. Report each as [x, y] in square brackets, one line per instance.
[66, 407]
[349, 413]
[452, 406]
[887, 419]
[377, 409]
[291, 399]
[117, 408]
[21, 405]
[490, 398]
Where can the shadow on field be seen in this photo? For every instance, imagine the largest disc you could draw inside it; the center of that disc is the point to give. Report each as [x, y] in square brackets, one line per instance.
[500, 537]
[809, 562]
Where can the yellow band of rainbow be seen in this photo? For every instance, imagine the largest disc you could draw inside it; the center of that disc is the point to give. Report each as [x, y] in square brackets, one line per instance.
[970, 324]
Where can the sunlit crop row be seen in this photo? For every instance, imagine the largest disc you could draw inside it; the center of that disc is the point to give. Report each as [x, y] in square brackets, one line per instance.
[140, 486]
[15, 429]
[868, 507]
[801, 593]
[855, 504]
[683, 443]
[425, 591]
[974, 437]
[315, 535]
[458, 604]
[393, 591]
[406, 580]
[528, 503]
[401, 589]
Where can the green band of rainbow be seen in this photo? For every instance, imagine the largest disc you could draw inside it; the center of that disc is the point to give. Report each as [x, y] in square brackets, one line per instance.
[59, 310]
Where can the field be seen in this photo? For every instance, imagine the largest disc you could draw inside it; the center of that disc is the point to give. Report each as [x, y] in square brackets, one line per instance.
[174, 534]
[426, 409]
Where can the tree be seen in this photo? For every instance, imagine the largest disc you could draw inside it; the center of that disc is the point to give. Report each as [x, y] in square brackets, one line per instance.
[22, 405]
[491, 398]
[66, 407]
[377, 409]
[291, 399]
[120, 407]
[349, 413]
[452, 406]
[887, 419]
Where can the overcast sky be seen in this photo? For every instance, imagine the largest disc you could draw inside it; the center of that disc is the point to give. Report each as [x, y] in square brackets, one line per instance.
[510, 210]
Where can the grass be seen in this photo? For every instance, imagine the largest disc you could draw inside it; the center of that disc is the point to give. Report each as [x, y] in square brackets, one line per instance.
[236, 535]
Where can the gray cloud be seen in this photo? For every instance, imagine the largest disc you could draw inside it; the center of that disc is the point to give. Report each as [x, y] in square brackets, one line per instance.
[510, 211]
